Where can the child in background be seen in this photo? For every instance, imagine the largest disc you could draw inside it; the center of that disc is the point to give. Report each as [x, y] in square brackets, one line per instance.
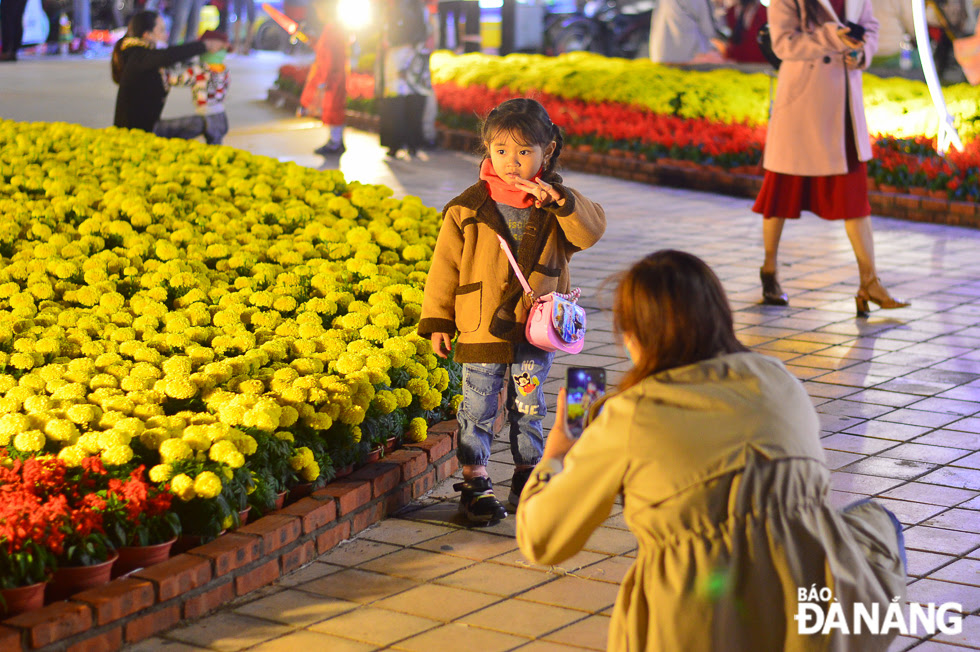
[471, 290]
[325, 92]
[209, 83]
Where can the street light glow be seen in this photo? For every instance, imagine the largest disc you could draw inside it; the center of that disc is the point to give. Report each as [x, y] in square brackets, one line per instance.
[354, 14]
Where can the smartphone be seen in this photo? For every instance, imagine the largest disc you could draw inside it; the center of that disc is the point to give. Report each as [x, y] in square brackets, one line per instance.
[584, 386]
[855, 31]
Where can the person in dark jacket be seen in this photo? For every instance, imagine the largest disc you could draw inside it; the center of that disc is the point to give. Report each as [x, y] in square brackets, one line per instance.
[406, 77]
[140, 70]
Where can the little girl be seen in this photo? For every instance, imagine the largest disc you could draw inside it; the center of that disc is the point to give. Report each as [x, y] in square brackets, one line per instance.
[472, 290]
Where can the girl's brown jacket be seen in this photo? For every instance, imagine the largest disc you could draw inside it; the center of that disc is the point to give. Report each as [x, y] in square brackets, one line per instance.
[471, 288]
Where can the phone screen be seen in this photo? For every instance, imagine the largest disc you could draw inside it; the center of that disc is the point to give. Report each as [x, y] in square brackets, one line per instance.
[584, 386]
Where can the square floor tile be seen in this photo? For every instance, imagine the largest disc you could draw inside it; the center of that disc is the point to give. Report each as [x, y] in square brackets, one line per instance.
[961, 571]
[570, 565]
[228, 632]
[308, 573]
[937, 592]
[471, 544]
[931, 494]
[355, 585]
[590, 633]
[496, 579]
[357, 551]
[402, 532]
[295, 608]
[456, 636]
[373, 625]
[522, 618]
[610, 541]
[574, 593]
[969, 636]
[922, 563]
[950, 542]
[443, 603]
[307, 640]
[414, 564]
[964, 520]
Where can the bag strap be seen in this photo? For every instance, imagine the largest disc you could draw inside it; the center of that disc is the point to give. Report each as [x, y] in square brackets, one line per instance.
[513, 263]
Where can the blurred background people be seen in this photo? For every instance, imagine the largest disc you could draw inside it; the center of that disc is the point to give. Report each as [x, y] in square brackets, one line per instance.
[682, 31]
[744, 19]
[243, 30]
[186, 15]
[139, 69]
[325, 92]
[11, 28]
[406, 71]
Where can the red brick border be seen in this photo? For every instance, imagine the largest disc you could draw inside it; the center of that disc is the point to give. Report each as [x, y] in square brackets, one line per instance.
[189, 585]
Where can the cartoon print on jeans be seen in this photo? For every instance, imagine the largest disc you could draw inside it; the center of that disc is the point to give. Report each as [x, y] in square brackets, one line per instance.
[526, 384]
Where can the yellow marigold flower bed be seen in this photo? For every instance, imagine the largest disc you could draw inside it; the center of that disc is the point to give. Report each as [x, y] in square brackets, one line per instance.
[196, 308]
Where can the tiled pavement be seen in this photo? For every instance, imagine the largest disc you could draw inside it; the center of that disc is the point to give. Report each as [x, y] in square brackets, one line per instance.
[897, 396]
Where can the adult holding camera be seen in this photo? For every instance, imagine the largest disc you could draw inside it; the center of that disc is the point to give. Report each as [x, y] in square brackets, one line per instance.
[716, 452]
[817, 142]
[138, 67]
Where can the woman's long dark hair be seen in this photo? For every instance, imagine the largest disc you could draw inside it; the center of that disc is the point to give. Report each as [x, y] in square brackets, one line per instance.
[141, 23]
[676, 309]
[530, 124]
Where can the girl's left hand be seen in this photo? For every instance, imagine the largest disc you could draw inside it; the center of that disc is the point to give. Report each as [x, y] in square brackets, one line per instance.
[544, 193]
[559, 442]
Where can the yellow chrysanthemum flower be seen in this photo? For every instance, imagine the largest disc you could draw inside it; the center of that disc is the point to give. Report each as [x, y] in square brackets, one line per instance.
[207, 485]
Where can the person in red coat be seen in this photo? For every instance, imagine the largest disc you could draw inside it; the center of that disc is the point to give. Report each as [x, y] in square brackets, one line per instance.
[744, 19]
[325, 91]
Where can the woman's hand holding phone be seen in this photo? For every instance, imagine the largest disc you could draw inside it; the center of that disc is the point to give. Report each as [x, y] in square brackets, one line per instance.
[559, 442]
[845, 34]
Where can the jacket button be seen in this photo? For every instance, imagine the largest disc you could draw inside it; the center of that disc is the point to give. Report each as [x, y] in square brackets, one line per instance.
[826, 58]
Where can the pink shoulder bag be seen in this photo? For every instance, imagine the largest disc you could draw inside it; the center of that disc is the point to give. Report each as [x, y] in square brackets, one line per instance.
[555, 322]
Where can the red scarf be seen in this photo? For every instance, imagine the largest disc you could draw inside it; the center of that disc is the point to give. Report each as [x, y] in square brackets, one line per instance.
[501, 191]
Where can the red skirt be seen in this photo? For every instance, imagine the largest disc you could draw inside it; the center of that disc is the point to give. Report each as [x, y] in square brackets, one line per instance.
[834, 197]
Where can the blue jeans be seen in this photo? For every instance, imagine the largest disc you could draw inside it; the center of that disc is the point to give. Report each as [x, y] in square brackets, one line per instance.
[525, 406]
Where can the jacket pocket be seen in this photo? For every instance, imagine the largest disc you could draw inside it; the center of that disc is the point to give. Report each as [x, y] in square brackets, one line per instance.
[469, 304]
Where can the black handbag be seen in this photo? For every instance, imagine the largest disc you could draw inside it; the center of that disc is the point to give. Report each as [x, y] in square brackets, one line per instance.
[764, 39]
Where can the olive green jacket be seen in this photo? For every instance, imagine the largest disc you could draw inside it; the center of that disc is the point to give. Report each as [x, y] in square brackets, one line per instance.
[725, 487]
[471, 288]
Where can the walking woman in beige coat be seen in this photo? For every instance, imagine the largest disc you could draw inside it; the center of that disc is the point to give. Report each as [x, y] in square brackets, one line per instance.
[817, 143]
[716, 453]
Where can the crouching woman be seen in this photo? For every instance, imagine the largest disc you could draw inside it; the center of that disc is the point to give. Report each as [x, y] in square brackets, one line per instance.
[716, 453]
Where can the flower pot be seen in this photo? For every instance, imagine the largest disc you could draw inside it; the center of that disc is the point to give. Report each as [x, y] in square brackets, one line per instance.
[939, 194]
[887, 188]
[280, 499]
[133, 557]
[301, 490]
[243, 516]
[391, 444]
[373, 455]
[917, 191]
[344, 472]
[69, 580]
[21, 599]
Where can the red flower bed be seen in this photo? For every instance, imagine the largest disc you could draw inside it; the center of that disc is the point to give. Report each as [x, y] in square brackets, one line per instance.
[609, 125]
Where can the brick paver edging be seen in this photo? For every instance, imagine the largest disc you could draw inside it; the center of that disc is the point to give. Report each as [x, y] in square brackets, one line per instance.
[186, 586]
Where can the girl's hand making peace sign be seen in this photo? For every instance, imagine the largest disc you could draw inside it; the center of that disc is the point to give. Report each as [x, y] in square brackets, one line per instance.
[544, 193]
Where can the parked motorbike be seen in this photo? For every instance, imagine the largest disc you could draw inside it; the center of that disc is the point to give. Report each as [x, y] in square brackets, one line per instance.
[615, 29]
